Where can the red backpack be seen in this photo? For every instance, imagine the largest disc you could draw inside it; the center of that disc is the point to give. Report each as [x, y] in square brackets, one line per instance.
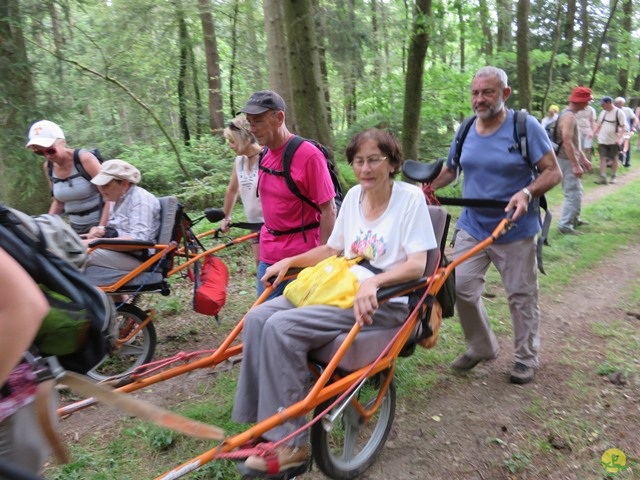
[211, 286]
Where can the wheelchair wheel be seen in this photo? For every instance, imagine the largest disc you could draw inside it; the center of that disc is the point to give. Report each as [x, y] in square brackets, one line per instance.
[353, 444]
[135, 352]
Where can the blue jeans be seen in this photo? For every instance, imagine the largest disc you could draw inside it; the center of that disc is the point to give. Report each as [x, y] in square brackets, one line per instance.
[262, 268]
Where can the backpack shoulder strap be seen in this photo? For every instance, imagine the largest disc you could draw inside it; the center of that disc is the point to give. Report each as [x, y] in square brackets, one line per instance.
[287, 157]
[459, 140]
[520, 132]
[520, 136]
[78, 164]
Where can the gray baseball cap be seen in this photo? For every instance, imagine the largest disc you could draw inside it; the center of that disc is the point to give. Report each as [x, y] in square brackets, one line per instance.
[264, 100]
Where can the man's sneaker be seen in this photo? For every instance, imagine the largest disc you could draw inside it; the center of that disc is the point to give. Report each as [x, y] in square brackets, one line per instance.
[522, 374]
[581, 223]
[465, 362]
[569, 231]
[601, 180]
[287, 457]
[613, 179]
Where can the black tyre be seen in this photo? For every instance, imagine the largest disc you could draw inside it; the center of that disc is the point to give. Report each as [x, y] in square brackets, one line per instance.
[353, 444]
[137, 351]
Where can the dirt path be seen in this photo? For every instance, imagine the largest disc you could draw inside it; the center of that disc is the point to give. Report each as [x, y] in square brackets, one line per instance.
[482, 420]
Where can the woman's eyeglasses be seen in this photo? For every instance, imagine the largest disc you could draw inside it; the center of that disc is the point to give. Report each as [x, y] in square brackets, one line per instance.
[42, 153]
[373, 161]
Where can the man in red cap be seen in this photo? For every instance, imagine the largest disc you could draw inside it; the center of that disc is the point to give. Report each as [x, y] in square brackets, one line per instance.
[572, 160]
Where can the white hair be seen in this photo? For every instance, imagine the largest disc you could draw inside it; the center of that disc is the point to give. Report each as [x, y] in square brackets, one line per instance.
[493, 72]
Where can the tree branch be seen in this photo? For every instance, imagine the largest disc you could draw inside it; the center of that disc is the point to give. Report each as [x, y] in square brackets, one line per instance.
[133, 96]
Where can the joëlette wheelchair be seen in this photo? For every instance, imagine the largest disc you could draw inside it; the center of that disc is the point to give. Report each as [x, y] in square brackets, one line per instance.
[353, 398]
[177, 250]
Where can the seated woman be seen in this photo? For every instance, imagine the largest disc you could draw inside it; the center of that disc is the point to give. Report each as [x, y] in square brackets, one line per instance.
[134, 214]
[381, 219]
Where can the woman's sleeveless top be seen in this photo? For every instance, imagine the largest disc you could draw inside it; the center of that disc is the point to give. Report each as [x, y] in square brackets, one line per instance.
[82, 201]
[248, 183]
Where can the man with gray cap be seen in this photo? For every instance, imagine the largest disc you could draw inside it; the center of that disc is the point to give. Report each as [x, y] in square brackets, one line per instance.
[134, 214]
[291, 226]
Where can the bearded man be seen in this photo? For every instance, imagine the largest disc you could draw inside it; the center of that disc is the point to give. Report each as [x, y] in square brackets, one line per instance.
[495, 169]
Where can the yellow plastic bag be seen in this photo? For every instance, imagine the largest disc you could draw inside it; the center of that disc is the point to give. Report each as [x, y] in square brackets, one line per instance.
[330, 282]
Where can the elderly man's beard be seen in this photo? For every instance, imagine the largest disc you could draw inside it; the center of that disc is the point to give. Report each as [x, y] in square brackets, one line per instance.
[492, 110]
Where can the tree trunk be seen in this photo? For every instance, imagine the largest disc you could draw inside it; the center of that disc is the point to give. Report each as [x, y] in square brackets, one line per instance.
[21, 180]
[216, 116]
[183, 42]
[462, 32]
[375, 41]
[278, 56]
[414, 79]
[568, 34]
[324, 69]
[304, 72]
[485, 22]
[596, 65]
[57, 37]
[234, 59]
[636, 82]
[554, 52]
[252, 23]
[585, 22]
[524, 71]
[200, 114]
[505, 19]
[625, 32]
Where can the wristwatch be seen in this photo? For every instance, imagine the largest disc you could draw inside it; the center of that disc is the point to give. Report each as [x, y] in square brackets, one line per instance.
[526, 191]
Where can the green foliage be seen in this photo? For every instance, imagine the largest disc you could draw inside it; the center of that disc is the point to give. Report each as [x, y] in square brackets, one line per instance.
[209, 161]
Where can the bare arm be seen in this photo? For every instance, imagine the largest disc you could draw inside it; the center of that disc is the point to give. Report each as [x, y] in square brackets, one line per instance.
[22, 308]
[90, 163]
[104, 216]
[550, 176]
[567, 125]
[230, 198]
[447, 175]
[327, 220]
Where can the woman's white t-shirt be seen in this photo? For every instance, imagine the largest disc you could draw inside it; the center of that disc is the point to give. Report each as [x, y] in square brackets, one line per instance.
[404, 228]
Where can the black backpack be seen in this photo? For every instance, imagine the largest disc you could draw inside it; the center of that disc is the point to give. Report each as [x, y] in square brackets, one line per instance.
[77, 163]
[520, 139]
[552, 132]
[80, 326]
[287, 156]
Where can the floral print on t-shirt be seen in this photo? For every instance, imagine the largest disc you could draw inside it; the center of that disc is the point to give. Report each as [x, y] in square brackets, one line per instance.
[369, 245]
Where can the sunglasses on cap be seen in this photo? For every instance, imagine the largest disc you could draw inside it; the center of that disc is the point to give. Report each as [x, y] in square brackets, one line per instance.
[42, 153]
